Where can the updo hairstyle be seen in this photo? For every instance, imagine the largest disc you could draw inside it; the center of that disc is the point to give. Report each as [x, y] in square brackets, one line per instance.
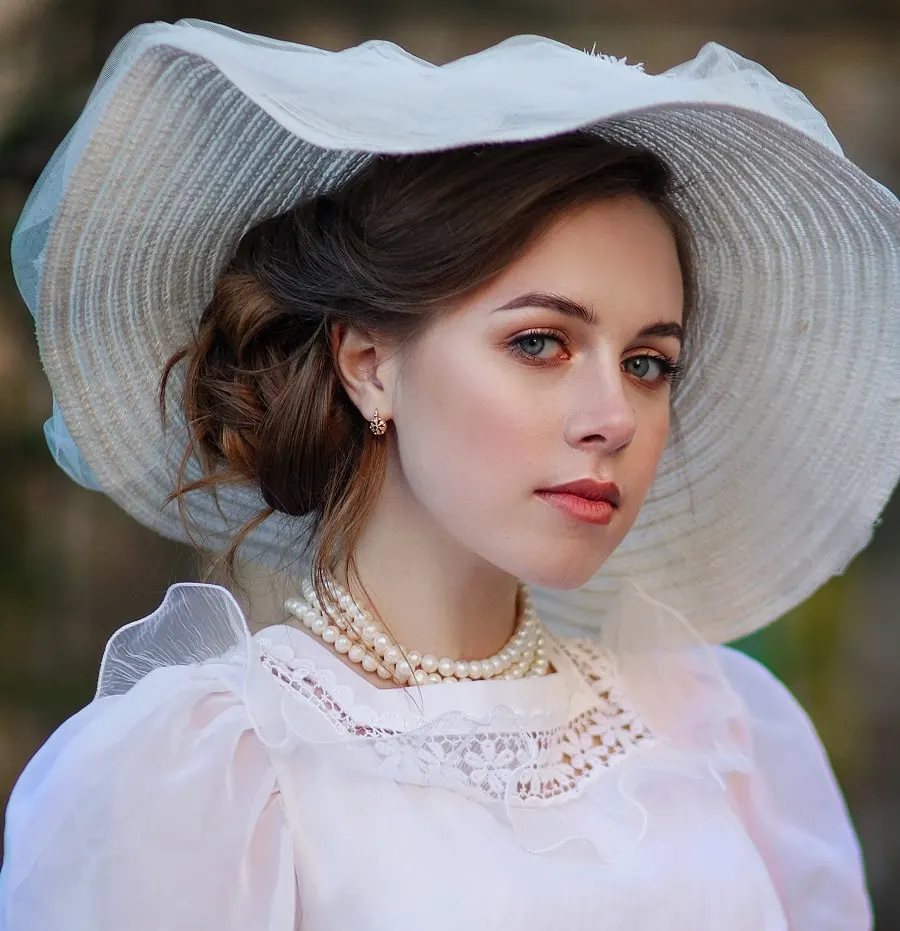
[401, 242]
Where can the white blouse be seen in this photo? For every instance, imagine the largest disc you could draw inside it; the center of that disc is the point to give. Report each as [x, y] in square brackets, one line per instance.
[223, 781]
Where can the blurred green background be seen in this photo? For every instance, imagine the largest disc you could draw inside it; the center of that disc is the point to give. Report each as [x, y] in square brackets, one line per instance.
[73, 567]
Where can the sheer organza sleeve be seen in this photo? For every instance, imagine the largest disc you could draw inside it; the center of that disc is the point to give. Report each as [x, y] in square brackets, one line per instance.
[793, 808]
[155, 807]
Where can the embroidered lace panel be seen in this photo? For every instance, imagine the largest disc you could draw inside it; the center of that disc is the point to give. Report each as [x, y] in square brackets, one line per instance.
[523, 764]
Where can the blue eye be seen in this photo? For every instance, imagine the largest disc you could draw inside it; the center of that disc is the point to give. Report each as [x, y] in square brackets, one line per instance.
[652, 368]
[523, 345]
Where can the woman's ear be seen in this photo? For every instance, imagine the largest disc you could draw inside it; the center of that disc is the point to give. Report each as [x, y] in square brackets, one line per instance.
[366, 368]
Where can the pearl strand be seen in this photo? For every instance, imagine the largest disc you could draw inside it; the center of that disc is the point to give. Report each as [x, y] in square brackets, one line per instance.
[363, 640]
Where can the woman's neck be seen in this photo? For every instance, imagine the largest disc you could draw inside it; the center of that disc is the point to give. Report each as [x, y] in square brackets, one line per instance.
[432, 595]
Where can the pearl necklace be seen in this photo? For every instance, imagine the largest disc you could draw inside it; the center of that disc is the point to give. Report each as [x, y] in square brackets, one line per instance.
[364, 640]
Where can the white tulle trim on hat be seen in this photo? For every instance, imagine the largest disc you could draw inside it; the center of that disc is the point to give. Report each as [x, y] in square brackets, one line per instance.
[496, 743]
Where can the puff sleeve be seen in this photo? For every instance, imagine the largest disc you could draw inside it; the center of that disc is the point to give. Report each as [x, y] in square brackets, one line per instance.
[792, 807]
[156, 808]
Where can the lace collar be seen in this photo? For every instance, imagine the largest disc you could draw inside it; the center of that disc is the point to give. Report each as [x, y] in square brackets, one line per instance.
[293, 656]
[640, 708]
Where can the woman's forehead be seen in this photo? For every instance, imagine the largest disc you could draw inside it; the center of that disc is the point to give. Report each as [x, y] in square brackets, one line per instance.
[613, 261]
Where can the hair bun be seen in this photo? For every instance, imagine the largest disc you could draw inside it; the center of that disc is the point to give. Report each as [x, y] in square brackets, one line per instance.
[263, 396]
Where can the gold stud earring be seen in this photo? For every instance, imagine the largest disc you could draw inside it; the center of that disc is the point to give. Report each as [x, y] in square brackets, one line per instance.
[377, 425]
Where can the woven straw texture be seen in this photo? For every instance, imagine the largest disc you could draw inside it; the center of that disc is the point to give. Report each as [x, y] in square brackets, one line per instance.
[787, 446]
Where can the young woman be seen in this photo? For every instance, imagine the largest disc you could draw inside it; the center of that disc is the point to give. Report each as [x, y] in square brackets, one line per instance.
[507, 390]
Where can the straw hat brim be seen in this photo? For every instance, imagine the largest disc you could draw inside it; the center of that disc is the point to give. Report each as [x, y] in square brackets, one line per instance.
[785, 448]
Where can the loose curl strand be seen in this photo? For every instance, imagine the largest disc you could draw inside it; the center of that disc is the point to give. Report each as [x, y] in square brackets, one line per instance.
[404, 240]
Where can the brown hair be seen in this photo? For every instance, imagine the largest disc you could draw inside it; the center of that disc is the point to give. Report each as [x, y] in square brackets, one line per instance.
[396, 244]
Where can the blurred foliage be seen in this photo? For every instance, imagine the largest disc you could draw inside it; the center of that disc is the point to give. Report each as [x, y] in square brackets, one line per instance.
[805, 649]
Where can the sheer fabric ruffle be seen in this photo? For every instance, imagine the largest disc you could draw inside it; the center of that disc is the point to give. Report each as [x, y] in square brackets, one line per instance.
[172, 800]
[154, 809]
[498, 749]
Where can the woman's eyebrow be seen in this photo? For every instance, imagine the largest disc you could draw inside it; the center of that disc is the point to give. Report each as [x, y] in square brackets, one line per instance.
[570, 308]
[557, 302]
[664, 328]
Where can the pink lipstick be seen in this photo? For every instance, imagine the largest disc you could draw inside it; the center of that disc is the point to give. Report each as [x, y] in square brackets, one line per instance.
[585, 499]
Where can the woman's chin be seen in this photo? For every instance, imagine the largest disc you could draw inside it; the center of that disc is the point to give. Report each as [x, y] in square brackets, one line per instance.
[563, 574]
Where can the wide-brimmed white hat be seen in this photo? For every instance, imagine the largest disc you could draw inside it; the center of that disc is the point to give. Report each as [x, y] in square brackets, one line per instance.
[789, 417]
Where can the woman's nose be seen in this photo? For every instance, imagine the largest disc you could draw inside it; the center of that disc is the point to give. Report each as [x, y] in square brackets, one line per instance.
[604, 416]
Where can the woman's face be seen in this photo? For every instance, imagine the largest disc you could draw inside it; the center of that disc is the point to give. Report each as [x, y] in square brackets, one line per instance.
[496, 404]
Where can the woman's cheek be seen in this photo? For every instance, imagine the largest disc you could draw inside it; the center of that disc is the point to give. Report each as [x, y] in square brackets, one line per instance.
[649, 453]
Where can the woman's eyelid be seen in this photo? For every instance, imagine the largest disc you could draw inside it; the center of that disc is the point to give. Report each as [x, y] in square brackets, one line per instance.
[560, 337]
[669, 349]
[543, 329]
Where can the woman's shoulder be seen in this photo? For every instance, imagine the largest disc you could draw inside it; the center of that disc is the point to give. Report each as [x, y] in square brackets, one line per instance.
[170, 696]
[157, 788]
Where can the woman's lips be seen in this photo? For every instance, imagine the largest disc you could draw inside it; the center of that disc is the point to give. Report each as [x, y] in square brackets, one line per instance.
[579, 508]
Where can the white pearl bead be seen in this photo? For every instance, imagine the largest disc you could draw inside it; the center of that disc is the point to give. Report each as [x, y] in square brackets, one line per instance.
[381, 644]
[351, 630]
[343, 644]
[356, 652]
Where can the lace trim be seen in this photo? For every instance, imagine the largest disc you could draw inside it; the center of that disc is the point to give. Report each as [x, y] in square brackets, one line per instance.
[321, 689]
[495, 760]
[596, 739]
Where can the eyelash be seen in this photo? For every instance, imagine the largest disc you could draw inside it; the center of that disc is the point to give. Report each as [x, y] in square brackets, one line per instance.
[672, 371]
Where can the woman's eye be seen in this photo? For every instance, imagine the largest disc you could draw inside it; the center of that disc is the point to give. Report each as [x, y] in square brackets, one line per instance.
[649, 368]
[532, 345]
